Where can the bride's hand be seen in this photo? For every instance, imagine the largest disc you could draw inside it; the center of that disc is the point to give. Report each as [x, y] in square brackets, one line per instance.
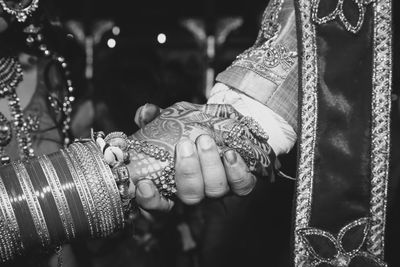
[197, 132]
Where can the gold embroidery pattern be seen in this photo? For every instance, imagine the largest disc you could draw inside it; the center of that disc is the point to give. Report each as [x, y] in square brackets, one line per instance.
[381, 106]
[270, 26]
[308, 129]
[338, 12]
[337, 250]
[266, 58]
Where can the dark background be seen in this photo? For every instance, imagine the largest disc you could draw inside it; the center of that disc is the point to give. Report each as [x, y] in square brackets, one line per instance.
[143, 70]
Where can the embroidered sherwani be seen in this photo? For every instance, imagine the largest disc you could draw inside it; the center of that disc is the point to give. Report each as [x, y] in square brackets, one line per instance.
[325, 68]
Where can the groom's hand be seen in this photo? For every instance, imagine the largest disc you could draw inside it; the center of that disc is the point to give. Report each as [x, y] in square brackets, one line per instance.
[200, 170]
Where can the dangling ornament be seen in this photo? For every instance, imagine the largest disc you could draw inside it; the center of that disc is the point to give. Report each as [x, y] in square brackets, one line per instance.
[5, 131]
[35, 39]
[20, 9]
[10, 77]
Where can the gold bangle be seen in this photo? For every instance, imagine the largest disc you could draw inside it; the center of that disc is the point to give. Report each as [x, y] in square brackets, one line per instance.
[108, 178]
[6, 244]
[15, 237]
[108, 211]
[86, 189]
[98, 192]
[59, 197]
[33, 203]
[5, 239]
[92, 189]
[103, 192]
[81, 191]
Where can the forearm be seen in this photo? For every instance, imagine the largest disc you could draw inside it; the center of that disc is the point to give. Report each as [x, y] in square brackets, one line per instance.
[282, 136]
[267, 71]
[54, 199]
[86, 191]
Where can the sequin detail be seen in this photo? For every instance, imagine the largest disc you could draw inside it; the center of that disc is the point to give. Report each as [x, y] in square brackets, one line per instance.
[266, 57]
[336, 250]
[338, 12]
[381, 106]
[308, 129]
[380, 154]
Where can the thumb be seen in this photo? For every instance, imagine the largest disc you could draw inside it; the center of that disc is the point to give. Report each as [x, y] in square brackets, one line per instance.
[146, 114]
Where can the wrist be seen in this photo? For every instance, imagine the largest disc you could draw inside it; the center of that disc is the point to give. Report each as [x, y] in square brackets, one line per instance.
[54, 199]
[142, 159]
[282, 136]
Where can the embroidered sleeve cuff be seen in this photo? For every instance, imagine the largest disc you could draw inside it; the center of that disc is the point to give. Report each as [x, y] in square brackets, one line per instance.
[267, 71]
[281, 135]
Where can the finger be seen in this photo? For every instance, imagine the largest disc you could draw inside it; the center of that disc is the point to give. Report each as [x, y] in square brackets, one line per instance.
[146, 114]
[222, 111]
[188, 176]
[183, 105]
[212, 168]
[245, 144]
[137, 115]
[259, 156]
[264, 157]
[148, 197]
[240, 179]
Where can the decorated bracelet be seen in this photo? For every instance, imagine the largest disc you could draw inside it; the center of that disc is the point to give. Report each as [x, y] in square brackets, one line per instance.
[50, 200]
[83, 191]
[249, 139]
[116, 147]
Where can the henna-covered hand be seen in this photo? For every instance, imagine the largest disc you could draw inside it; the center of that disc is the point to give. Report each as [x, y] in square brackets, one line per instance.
[198, 133]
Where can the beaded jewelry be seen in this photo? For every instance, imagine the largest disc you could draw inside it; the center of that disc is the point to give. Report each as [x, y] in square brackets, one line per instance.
[52, 199]
[20, 12]
[339, 12]
[36, 39]
[243, 136]
[10, 76]
[115, 147]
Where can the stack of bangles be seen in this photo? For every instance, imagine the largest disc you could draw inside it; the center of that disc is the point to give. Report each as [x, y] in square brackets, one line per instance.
[51, 200]
[82, 191]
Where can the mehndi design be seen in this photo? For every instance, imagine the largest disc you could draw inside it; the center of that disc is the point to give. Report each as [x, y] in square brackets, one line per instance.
[149, 153]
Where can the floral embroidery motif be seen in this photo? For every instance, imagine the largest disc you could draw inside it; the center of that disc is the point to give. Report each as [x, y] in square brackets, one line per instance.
[360, 5]
[343, 250]
[374, 242]
[380, 143]
[270, 27]
[267, 58]
[264, 58]
[309, 116]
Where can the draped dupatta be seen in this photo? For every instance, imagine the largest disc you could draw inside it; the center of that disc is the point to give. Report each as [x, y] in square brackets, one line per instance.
[345, 64]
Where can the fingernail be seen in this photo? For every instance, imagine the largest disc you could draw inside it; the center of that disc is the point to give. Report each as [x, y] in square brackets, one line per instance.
[142, 116]
[205, 142]
[150, 112]
[146, 189]
[230, 156]
[132, 190]
[185, 148]
[138, 115]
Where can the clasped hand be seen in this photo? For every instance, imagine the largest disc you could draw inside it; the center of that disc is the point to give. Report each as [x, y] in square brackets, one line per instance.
[203, 166]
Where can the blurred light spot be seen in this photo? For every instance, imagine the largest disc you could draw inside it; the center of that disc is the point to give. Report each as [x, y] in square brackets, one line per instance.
[162, 38]
[111, 43]
[116, 30]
